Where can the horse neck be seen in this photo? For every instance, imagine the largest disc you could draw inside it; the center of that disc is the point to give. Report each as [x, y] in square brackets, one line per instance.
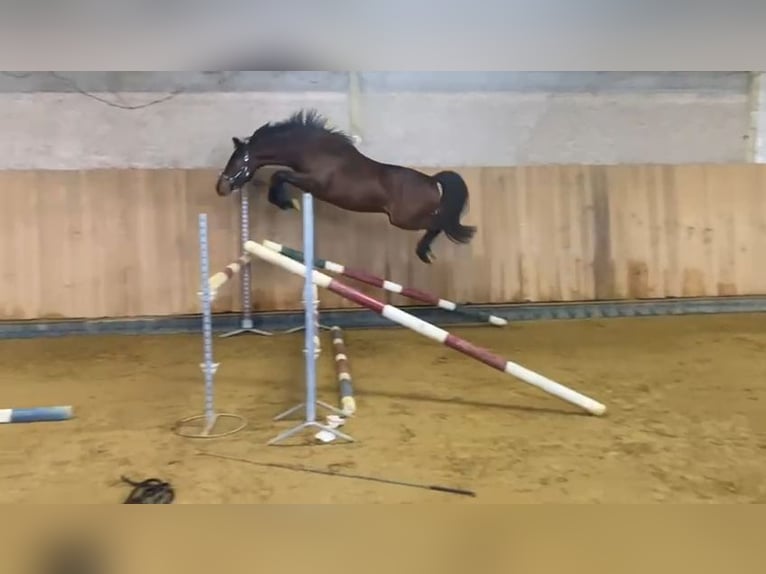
[278, 153]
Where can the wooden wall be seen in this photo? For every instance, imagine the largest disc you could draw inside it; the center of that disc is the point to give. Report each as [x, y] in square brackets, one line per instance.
[120, 243]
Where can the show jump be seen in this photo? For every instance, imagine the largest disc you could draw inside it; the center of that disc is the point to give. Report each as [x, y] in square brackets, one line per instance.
[426, 329]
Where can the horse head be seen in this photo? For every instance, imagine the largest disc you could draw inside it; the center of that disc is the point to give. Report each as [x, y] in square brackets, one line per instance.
[238, 170]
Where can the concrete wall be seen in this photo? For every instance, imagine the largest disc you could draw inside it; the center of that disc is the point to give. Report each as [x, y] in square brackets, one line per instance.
[46, 121]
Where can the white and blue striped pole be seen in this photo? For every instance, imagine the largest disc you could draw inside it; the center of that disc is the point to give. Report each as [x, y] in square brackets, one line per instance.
[36, 414]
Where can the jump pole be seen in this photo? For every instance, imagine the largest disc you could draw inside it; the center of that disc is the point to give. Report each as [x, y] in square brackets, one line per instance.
[343, 373]
[219, 279]
[426, 329]
[391, 286]
[209, 368]
[310, 346]
[246, 320]
[36, 414]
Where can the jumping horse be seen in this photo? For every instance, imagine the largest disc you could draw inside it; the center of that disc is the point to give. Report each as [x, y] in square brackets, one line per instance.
[324, 162]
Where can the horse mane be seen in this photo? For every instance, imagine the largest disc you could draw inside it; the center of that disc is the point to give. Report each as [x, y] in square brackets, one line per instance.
[302, 121]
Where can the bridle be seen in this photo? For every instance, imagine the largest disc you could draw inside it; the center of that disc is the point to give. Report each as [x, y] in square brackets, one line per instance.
[244, 173]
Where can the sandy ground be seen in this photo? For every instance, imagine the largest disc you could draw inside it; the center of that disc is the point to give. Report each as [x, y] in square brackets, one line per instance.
[686, 399]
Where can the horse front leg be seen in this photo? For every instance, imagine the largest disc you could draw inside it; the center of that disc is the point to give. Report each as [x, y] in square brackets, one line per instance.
[278, 192]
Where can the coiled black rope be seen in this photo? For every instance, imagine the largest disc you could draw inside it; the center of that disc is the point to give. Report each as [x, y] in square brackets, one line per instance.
[149, 491]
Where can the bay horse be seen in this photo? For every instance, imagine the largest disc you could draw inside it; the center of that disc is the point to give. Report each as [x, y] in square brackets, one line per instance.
[324, 162]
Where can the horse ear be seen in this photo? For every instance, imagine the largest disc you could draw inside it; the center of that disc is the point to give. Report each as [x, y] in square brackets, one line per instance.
[237, 142]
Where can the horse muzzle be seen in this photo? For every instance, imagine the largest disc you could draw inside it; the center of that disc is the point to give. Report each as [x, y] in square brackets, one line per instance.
[223, 186]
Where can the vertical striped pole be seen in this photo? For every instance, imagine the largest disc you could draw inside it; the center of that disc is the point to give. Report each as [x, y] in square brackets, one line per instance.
[390, 286]
[246, 324]
[208, 367]
[343, 373]
[428, 330]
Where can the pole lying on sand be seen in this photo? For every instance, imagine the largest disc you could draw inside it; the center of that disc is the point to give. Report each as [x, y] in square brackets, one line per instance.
[36, 414]
[390, 286]
[427, 329]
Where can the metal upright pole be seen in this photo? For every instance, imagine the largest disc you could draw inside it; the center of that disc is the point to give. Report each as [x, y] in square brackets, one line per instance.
[318, 325]
[246, 322]
[308, 315]
[310, 341]
[208, 366]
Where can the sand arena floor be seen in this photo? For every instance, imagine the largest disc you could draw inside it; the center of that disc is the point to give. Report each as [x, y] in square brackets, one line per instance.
[686, 399]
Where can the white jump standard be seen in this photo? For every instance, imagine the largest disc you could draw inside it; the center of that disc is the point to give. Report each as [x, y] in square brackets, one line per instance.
[311, 348]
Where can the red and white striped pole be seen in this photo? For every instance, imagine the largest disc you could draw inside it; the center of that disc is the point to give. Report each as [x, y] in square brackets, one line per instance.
[427, 329]
[390, 286]
[219, 279]
[343, 372]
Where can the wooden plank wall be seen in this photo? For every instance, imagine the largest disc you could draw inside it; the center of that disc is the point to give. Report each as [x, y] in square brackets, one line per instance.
[122, 243]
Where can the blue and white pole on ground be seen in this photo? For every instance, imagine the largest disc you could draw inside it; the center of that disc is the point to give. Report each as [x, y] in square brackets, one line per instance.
[36, 414]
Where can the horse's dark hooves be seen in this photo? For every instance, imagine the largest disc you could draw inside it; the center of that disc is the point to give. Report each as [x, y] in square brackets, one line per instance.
[425, 256]
[288, 204]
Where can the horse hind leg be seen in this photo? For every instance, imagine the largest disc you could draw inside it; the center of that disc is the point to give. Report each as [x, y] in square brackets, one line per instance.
[423, 248]
[405, 219]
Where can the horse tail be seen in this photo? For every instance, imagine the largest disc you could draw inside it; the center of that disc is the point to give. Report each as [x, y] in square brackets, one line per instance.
[454, 202]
